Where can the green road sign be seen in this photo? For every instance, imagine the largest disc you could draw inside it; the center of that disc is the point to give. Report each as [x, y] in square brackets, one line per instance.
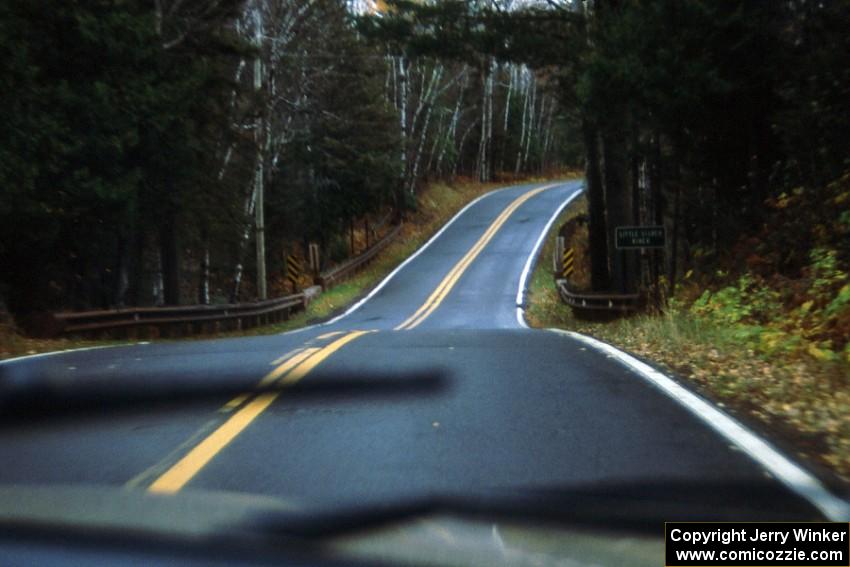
[627, 237]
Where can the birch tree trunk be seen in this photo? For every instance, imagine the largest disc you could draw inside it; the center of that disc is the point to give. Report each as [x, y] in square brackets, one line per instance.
[426, 104]
[439, 138]
[483, 165]
[243, 242]
[505, 122]
[158, 285]
[547, 142]
[259, 212]
[531, 110]
[402, 112]
[272, 27]
[508, 98]
[539, 129]
[462, 143]
[452, 135]
[524, 127]
[418, 156]
[204, 287]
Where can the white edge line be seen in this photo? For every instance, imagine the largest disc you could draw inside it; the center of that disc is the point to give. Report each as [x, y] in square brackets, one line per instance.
[781, 467]
[530, 261]
[392, 274]
[55, 352]
[302, 329]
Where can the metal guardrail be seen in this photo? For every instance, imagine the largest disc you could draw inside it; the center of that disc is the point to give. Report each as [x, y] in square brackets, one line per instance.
[623, 303]
[194, 319]
[345, 269]
[173, 321]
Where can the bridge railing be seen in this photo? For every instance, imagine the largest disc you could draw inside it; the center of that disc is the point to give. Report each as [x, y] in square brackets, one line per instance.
[611, 302]
[347, 268]
[145, 322]
[172, 321]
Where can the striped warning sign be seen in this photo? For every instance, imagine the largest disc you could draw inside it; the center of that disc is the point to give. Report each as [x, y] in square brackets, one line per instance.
[294, 269]
[567, 261]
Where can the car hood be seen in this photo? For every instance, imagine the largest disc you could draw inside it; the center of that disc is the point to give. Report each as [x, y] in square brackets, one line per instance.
[436, 536]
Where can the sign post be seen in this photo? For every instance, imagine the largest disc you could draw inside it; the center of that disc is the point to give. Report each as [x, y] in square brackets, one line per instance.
[313, 249]
[556, 255]
[642, 238]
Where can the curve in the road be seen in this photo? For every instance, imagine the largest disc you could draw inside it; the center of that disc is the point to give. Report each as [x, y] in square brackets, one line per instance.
[515, 407]
[451, 279]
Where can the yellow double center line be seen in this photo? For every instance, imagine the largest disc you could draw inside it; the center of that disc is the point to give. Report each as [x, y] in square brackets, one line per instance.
[303, 361]
[287, 373]
[442, 290]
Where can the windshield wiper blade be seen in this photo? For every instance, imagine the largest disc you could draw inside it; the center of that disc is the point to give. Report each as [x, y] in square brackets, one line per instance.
[40, 397]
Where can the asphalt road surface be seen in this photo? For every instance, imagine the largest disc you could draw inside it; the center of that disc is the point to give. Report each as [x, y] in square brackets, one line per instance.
[431, 386]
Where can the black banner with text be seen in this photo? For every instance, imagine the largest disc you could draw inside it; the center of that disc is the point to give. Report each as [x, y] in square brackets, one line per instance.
[764, 544]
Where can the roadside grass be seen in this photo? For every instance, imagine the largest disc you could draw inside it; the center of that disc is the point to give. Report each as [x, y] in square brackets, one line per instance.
[436, 204]
[801, 400]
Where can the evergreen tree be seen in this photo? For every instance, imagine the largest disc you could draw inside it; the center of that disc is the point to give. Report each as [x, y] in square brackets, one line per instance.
[104, 138]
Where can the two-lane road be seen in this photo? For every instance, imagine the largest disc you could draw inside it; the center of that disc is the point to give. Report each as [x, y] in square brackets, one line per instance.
[491, 405]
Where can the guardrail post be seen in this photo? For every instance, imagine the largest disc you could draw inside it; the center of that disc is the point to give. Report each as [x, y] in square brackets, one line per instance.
[315, 263]
[556, 256]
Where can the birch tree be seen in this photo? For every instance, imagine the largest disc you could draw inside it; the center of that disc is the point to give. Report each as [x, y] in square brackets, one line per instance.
[277, 29]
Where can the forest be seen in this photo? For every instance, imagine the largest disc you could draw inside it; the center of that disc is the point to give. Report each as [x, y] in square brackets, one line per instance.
[137, 137]
[146, 147]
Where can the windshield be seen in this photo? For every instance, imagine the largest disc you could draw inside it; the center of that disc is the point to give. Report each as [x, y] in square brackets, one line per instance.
[476, 277]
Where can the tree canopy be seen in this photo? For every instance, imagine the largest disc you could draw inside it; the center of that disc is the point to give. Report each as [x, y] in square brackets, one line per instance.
[137, 137]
